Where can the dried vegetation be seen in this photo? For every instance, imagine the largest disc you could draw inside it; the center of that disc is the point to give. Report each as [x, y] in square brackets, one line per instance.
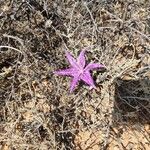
[36, 110]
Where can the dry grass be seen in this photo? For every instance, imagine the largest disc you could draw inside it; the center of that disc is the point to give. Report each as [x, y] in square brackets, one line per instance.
[36, 110]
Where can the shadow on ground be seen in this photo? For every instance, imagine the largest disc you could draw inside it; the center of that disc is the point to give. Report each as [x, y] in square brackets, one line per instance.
[132, 101]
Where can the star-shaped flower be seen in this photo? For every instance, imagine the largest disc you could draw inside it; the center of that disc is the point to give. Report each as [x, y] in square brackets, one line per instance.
[79, 70]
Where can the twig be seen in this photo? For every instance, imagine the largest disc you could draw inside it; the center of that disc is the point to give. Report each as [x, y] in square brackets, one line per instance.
[9, 47]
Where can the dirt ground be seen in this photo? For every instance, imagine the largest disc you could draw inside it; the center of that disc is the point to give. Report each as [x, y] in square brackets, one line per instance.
[37, 112]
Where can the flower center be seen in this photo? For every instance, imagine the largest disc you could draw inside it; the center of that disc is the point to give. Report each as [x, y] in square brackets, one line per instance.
[81, 71]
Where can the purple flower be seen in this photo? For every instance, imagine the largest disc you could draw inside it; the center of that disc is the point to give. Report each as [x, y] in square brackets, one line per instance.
[79, 70]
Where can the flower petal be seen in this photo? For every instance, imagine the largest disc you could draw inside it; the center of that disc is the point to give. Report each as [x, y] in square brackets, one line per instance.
[81, 58]
[92, 66]
[87, 78]
[71, 60]
[66, 72]
[74, 83]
